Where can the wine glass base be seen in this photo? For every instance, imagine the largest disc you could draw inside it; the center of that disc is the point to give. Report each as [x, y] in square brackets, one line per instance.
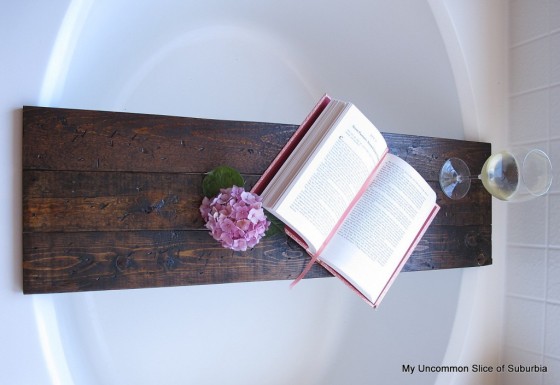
[454, 178]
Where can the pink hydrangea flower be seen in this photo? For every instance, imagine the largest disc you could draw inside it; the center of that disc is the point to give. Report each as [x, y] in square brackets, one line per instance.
[235, 218]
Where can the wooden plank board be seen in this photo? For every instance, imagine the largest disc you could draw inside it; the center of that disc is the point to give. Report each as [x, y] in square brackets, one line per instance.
[110, 201]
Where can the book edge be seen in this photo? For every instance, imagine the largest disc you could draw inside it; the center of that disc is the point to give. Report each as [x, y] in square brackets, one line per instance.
[296, 137]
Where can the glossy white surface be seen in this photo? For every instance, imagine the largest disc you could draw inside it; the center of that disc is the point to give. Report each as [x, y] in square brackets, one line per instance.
[249, 61]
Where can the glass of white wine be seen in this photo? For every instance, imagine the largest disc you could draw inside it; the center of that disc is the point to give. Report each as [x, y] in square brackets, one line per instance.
[510, 175]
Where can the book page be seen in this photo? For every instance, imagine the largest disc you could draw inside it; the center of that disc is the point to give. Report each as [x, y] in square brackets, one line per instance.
[379, 231]
[319, 197]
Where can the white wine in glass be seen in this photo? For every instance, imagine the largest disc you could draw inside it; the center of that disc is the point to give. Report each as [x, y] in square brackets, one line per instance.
[510, 175]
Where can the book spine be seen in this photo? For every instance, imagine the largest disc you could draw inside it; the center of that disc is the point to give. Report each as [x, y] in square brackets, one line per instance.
[298, 135]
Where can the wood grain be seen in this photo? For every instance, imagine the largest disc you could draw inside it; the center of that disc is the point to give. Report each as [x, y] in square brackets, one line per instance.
[110, 201]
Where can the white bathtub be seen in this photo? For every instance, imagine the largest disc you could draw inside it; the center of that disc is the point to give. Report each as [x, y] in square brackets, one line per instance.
[413, 67]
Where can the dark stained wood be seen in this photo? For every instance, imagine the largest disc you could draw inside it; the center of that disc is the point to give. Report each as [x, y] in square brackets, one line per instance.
[116, 201]
[108, 141]
[110, 201]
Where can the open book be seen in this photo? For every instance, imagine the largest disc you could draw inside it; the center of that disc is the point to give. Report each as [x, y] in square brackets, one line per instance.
[357, 209]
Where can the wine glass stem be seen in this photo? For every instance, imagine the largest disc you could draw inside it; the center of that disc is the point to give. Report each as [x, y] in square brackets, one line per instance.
[461, 178]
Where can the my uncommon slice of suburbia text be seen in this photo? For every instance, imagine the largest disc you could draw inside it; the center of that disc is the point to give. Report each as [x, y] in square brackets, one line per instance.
[474, 368]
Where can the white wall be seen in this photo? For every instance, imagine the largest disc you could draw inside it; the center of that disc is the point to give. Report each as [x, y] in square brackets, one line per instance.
[532, 303]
